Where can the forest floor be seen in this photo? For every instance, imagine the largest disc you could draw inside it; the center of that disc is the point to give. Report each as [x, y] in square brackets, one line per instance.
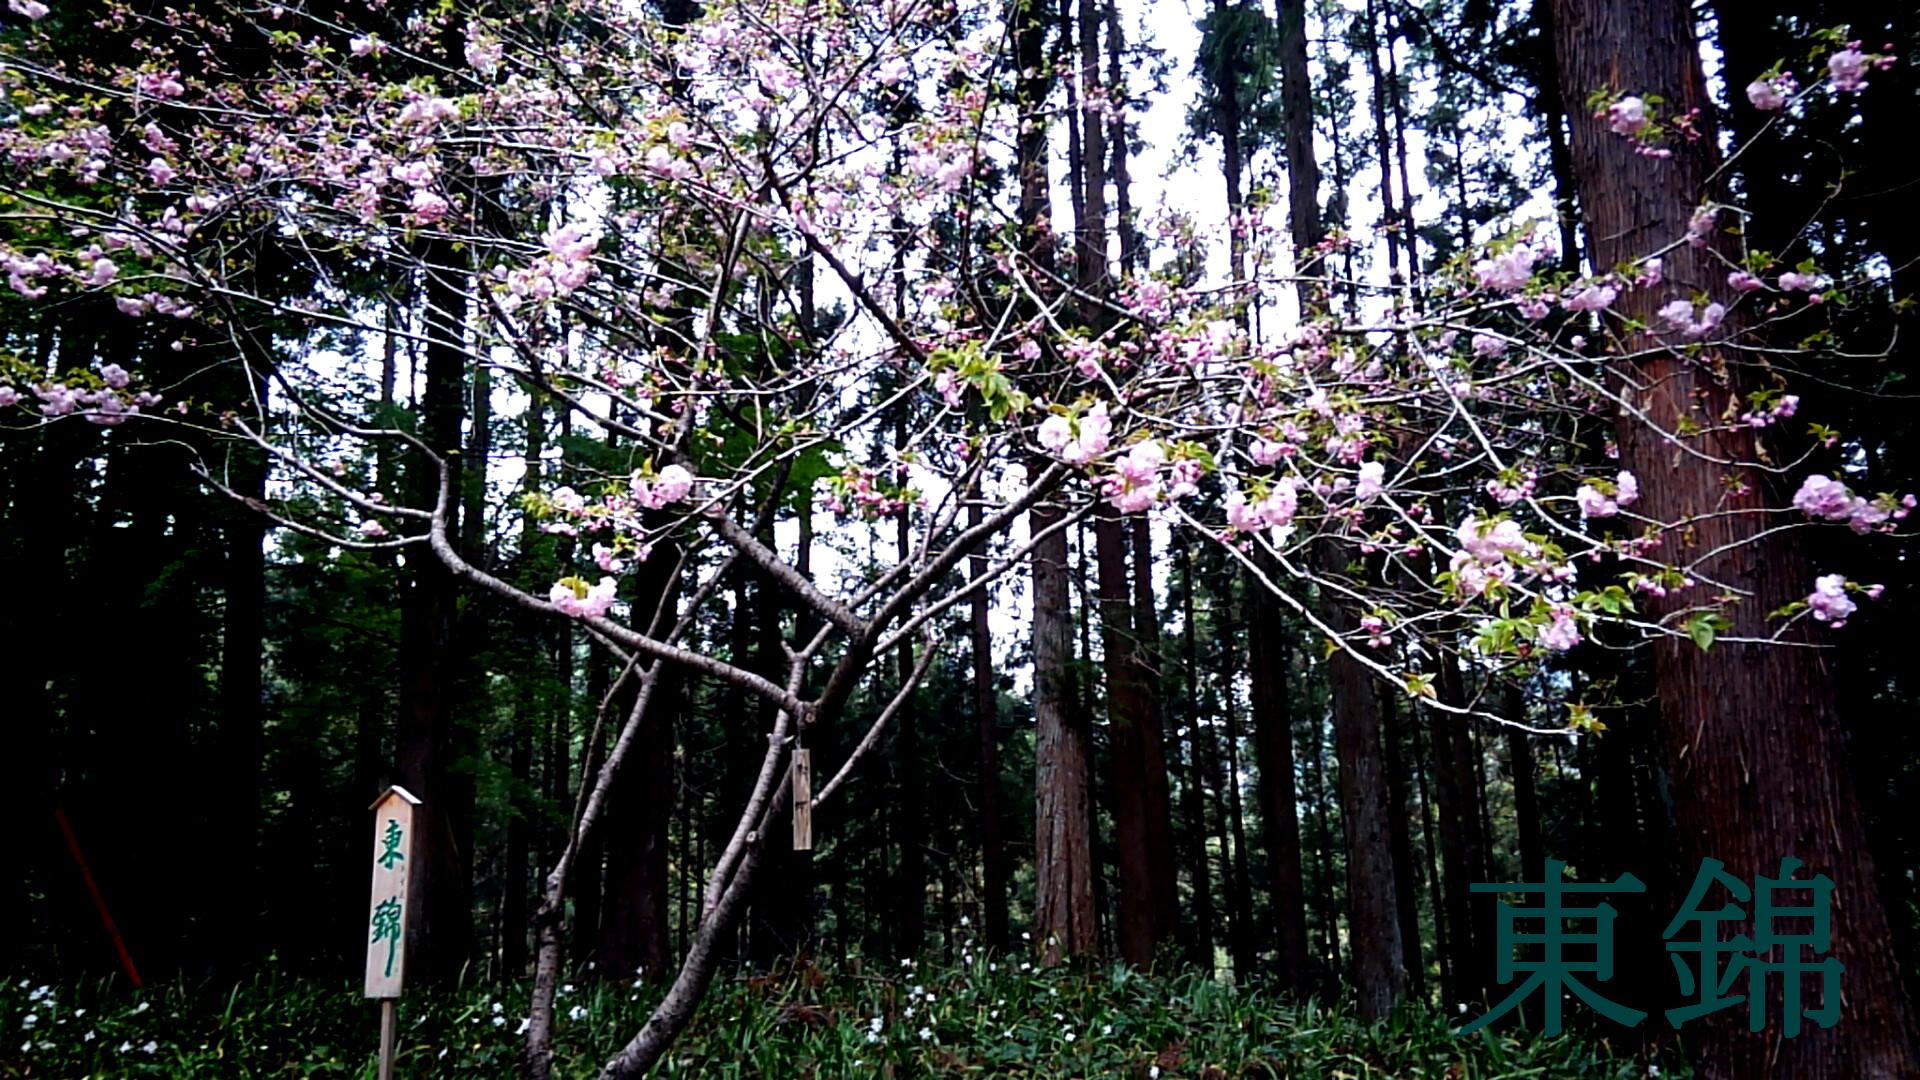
[985, 1017]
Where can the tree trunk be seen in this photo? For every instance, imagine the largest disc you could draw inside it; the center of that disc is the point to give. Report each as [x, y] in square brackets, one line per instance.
[1759, 763]
[1240, 939]
[994, 856]
[1193, 790]
[1127, 720]
[1279, 808]
[440, 933]
[1063, 843]
[1146, 658]
[1405, 883]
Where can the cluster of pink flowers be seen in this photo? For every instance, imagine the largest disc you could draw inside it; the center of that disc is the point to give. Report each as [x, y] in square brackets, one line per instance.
[1563, 632]
[1769, 94]
[1849, 67]
[1273, 510]
[1829, 600]
[1507, 271]
[1485, 548]
[1077, 441]
[1591, 296]
[1782, 409]
[1678, 317]
[1507, 494]
[1134, 484]
[566, 266]
[1596, 503]
[619, 512]
[580, 600]
[861, 490]
[1700, 225]
[1627, 116]
[1823, 497]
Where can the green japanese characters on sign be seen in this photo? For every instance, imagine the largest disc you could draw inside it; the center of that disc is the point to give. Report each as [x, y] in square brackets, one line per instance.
[1709, 962]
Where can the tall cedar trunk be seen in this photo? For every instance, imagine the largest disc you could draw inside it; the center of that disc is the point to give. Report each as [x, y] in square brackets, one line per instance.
[1127, 719]
[909, 816]
[1553, 118]
[1457, 789]
[1428, 845]
[995, 858]
[1759, 762]
[1240, 938]
[440, 931]
[1526, 800]
[1379, 978]
[1405, 884]
[1381, 147]
[587, 884]
[1373, 917]
[1320, 801]
[634, 912]
[1279, 808]
[516, 891]
[1146, 657]
[243, 633]
[1303, 170]
[1233, 160]
[1397, 99]
[781, 925]
[1193, 789]
[1063, 851]
[1063, 854]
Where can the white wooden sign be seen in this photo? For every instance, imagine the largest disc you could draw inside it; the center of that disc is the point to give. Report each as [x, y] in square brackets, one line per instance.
[387, 910]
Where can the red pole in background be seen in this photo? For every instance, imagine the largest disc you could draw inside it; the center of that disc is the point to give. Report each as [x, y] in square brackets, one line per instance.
[93, 890]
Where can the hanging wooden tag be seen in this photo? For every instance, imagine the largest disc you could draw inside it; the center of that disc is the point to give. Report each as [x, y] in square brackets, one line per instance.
[802, 799]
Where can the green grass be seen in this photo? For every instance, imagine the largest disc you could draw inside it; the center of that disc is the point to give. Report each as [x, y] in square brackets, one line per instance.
[988, 1017]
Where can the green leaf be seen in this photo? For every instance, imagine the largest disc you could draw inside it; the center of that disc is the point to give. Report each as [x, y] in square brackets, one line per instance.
[1704, 626]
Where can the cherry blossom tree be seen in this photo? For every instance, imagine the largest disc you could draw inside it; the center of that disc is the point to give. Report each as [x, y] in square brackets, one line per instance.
[742, 242]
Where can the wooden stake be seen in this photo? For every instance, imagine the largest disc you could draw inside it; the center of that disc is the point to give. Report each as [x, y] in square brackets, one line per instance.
[389, 1023]
[803, 799]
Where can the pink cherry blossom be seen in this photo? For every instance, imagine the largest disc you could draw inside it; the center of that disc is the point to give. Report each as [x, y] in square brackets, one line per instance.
[1765, 95]
[1849, 68]
[1829, 600]
[594, 603]
[1563, 632]
[1628, 116]
[1373, 476]
[672, 485]
[1594, 296]
[1506, 272]
[29, 9]
[1823, 496]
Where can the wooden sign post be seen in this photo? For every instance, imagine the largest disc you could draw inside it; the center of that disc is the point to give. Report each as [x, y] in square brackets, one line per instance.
[802, 799]
[387, 912]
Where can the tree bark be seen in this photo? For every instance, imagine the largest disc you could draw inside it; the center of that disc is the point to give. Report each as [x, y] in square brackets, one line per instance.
[440, 933]
[994, 855]
[1758, 759]
[1279, 806]
[1193, 790]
